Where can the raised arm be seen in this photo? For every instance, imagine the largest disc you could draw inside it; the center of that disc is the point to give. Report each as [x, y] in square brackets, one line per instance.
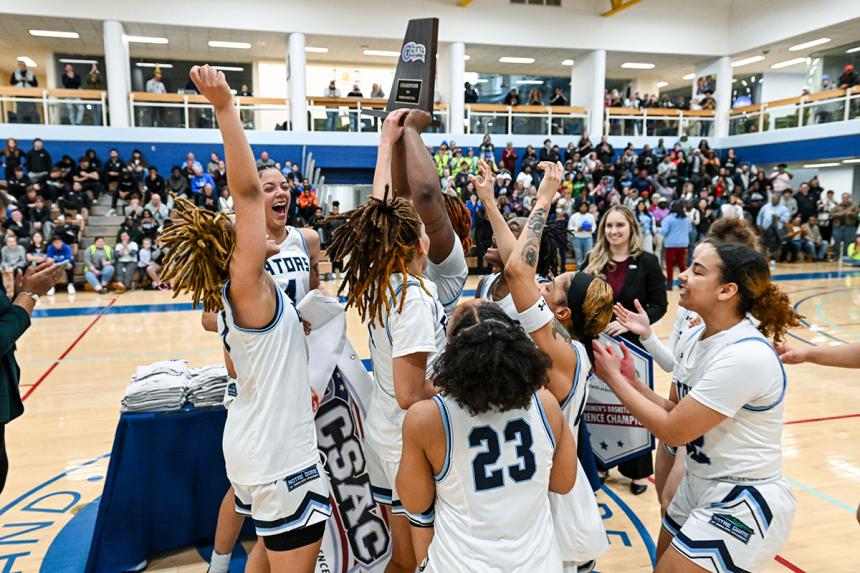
[505, 239]
[551, 337]
[392, 131]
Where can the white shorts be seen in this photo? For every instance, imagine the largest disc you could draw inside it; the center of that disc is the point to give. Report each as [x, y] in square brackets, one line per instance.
[729, 527]
[296, 501]
[383, 477]
[450, 277]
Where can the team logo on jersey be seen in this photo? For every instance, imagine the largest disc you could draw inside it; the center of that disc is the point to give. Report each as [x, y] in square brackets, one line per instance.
[413, 52]
[733, 526]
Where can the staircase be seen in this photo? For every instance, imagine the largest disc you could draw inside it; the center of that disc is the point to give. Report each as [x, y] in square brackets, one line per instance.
[99, 224]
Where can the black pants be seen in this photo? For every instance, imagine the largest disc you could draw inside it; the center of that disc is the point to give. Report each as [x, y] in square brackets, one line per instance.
[638, 468]
[4, 459]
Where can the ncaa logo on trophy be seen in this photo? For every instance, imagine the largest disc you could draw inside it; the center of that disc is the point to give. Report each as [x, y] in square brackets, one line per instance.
[413, 52]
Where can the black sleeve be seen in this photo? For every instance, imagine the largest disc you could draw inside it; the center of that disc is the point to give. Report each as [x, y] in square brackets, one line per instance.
[13, 323]
[654, 289]
[12, 81]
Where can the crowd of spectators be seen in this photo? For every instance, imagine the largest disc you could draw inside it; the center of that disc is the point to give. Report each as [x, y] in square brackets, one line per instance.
[676, 192]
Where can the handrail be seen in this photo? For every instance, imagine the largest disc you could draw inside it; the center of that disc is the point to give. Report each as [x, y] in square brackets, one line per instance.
[535, 109]
[657, 112]
[41, 93]
[818, 96]
[353, 102]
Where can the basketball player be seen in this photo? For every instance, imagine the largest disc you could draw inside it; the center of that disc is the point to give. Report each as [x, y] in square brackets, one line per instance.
[294, 265]
[270, 446]
[668, 466]
[561, 316]
[495, 443]
[446, 219]
[733, 509]
[388, 250]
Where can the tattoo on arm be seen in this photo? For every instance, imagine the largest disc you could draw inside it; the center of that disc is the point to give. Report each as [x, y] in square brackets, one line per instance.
[558, 329]
[534, 230]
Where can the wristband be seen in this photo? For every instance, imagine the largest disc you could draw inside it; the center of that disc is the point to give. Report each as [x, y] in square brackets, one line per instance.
[536, 317]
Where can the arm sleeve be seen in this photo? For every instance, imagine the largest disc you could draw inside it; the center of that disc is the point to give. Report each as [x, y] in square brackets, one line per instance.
[741, 374]
[412, 330]
[661, 353]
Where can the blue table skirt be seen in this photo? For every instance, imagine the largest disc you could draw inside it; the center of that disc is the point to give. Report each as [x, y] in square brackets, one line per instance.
[163, 489]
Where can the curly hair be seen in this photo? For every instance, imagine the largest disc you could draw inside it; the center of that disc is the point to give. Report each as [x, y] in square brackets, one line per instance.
[198, 249]
[490, 363]
[461, 220]
[379, 238]
[759, 296]
[733, 231]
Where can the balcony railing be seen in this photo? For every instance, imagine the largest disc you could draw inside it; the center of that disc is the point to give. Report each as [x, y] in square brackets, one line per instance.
[345, 114]
[658, 121]
[822, 107]
[53, 106]
[193, 111]
[525, 119]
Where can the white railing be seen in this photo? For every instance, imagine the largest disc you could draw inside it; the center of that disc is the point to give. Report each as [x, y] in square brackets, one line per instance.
[822, 107]
[658, 121]
[193, 111]
[53, 106]
[349, 114]
[525, 119]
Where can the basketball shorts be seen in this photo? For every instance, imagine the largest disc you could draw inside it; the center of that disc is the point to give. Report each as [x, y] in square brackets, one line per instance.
[299, 500]
[450, 277]
[730, 527]
[383, 479]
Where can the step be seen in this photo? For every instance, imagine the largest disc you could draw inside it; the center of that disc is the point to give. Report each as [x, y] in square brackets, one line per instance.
[101, 230]
[99, 210]
[104, 220]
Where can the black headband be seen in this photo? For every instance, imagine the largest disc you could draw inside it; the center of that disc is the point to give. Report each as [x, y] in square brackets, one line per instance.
[576, 293]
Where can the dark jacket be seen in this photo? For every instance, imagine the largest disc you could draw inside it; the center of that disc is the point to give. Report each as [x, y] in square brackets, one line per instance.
[14, 321]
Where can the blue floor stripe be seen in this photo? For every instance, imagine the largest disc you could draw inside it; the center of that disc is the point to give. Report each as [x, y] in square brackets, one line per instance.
[637, 523]
[820, 495]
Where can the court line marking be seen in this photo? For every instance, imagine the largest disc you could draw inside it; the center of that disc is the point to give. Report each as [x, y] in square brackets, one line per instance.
[824, 419]
[69, 349]
[821, 495]
[637, 523]
[803, 321]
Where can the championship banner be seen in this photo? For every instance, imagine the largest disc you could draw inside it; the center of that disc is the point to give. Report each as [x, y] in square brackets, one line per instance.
[616, 436]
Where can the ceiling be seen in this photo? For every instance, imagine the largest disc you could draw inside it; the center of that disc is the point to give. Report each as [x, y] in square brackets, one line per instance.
[189, 43]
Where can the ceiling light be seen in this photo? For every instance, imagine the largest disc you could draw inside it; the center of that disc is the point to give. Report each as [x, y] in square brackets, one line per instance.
[787, 63]
[662, 84]
[382, 53]
[229, 68]
[567, 62]
[814, 165]
[232, 45]
[73, 61]
[689, 77]
[313, 50]
[852, 50]
[145, 40]
[745, 61]
[27, 60]
[152, 65]
[744, 82]
[514, 60]
[531, 82]
[637, 66]
[851, 161]
[466, 57]
[752, 79]
[810, 44]
[54, 34]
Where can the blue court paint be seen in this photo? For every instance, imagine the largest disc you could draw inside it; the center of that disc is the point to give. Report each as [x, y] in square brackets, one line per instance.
[65, 555]
[637, 523]
[805, 323]
[821, 495]
[819, 312]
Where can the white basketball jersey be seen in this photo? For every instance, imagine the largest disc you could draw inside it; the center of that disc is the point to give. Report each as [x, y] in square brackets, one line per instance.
[291, 267]
[492, 508]
[270, 428]
[738, 374]
[449, 276]
[418, 327]
[506, 304]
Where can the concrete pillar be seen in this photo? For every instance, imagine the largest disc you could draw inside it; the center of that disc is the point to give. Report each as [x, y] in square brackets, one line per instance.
[723, 95]
[296, 79]
[587, 84]
[456, 68]
[117, 73]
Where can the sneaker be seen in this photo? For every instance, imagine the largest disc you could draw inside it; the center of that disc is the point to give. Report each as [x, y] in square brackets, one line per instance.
[51, 291]
[110, 213]
[773, 264]
[70, 288]
[103, 290]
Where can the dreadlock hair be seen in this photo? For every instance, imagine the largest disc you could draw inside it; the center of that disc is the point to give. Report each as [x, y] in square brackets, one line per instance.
[461, 219]
[552, 241]
[489, 363]
[198, 249]
[379, 238]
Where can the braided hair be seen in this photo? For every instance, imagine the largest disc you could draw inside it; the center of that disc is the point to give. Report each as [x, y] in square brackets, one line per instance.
[198, 248]
[461, 219]
[379, 240]
[552, 242]
[489, 362]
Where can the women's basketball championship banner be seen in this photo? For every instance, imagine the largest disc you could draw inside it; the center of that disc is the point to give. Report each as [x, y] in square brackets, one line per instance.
[616, 436]
[357, 536]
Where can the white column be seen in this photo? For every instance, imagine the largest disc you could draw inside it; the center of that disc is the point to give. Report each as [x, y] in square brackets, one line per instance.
[456, 68]
[51, 76]
[117, 73]
[723, 95]
[296, 77]
[587, 84]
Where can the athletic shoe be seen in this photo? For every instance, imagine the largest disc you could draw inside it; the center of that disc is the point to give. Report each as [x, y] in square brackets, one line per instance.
[118, 287]
[103, 290]
[70, 288]
[110, 213]
[51, 291]
[637, 489]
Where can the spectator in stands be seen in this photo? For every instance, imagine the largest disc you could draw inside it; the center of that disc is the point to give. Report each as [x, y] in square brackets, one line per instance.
[138, 166]
[331, 113]
[69, 229]
[200, 179]
[75, 200]
[38, 161]
[789, 201]
[796, 242]
[144, 259]
[213, 163]
[676, 229]
[190, 166]
[844, 224]
[177, 183]
[37, 250]
[220, 175]
[353, 117]
[154, 85]
[781, 178]
[113, 168]
[225, 201]
[17, 185]
[126, 260]
[825, 215]
[813, 235]
[157, 209]
[66, 165]
[98, 265]
[848, 78]
[535, 98]
[581, 226]
[733, 208]
[548, 152]
[16, 225]
[805, 202]
[72, 81]
[61, 254]
[13, 258]
[509, 157]
[12, 157]
[772, 220]
[39, 217]
[88, 176]
[470, 94]
[557, 98]
[207, 199]
[852, 253]
[376, 92]
[149, 225]
[134, 209]
[308, 201]
[24, 78]
[263, 162]
[155, 185]
[130, 227]
[153, 270]
[512, 97]
[125, 187]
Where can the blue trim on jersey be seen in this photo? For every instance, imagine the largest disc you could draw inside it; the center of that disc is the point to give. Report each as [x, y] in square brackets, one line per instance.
[714, 549]
[545, 421]
[446, 421]
[409, 282]
[242, 508]
[767, 407]
[279, 311]
[670, 525]
[425, 519]
[381, 494]
[459, 294]
[756, 500]
[575, 377]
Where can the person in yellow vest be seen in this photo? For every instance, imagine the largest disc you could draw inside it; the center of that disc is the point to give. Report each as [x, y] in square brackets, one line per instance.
[853, 258]
[442, 158]
[98, 265]
[473, 161]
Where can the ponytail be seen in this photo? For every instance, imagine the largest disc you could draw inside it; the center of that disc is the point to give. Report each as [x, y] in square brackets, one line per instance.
[773, 309]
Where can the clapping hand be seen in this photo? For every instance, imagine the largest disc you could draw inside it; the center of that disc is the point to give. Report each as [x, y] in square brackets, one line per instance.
[42, 277]
[636, 322]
